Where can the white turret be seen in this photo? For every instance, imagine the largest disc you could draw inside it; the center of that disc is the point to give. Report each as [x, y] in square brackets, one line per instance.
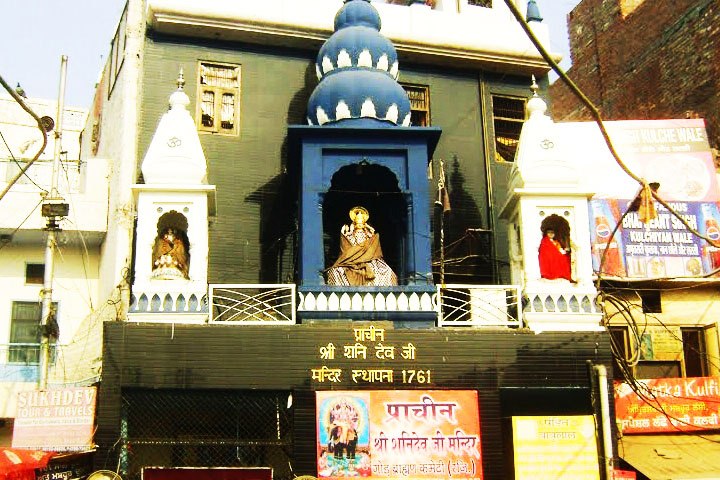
[547, 193]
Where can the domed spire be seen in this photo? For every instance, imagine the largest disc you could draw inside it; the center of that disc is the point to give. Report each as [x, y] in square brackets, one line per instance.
[358, 70]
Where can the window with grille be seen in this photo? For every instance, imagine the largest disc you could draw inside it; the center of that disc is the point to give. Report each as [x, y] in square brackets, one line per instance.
[218, 98]
[419, 97]
[25, 332]
[508, 119]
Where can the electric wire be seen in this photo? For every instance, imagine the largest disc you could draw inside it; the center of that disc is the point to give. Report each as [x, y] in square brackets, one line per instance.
[39, 121]
[18, 163]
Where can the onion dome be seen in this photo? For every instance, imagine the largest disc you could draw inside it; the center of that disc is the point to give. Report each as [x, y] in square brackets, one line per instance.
[358, 70]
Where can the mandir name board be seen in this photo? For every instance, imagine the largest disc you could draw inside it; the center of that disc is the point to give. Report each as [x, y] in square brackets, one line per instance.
[375, 359]
[675, 154]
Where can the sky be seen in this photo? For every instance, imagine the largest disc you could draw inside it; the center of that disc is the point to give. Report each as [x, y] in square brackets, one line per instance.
[34, 34]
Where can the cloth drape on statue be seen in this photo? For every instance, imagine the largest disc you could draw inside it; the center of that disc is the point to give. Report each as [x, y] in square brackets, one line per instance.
[553, 263]
[356, 259]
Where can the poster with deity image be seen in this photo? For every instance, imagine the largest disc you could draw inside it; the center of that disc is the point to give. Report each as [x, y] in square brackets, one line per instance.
[398, 434]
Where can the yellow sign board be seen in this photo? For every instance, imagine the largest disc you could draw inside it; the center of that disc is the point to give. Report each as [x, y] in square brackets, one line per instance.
[555, 448]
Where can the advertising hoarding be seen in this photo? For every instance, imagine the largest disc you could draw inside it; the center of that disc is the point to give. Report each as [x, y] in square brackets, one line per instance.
[404, 434]
[58, 420]
[676, 155]
[668, 405]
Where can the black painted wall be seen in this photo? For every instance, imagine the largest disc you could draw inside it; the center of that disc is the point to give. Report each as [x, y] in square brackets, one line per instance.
[253, 237]
[515, 372]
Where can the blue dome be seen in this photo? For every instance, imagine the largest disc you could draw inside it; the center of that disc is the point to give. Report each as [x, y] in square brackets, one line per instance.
[351, 94]
[358, 69]
[357, 13]
[357, 46]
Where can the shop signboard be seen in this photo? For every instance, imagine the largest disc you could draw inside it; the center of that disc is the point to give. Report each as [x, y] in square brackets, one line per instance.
[555, 447]
[58, 420]
[676, 155]
[668, 405]
[394, 434]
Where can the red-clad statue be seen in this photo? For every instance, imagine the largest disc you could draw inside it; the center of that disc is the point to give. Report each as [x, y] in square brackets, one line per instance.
[554, 258]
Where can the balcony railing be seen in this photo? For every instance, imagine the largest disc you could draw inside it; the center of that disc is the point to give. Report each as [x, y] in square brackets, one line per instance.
[452, 305]
[479, 306]
[19, 362]
[252, 304]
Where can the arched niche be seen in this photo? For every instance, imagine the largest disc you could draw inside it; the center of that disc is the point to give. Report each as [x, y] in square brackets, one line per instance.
[376, 188]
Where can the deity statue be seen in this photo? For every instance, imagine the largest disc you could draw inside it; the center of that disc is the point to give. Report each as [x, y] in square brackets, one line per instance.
[170, 259]
[554, 257]
[361, 259]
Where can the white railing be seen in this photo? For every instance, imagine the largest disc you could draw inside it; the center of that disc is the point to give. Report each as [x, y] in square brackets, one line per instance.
[252, 304]
[479, 306]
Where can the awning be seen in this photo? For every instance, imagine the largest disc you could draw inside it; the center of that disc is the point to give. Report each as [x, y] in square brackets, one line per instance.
[677, 457]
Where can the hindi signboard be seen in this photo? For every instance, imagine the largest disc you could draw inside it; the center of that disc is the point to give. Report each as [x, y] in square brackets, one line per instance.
[58, 420]
[557, 448]
[668, 405]
[676, 155]
[397, 434]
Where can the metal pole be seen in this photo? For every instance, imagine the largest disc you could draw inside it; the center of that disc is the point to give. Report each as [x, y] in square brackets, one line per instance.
[602, 381]
[47, 306]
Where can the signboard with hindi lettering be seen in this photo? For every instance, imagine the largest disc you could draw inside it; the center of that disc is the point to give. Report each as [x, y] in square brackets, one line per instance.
[668, 405]
[396, 434]
[676, 155]
[555, 447]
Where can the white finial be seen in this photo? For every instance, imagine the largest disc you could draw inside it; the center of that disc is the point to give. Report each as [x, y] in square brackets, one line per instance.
[535, 105]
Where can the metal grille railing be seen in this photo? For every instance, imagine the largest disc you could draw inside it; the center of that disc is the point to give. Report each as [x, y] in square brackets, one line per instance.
[205, 428]
[249, 304]
[479, 306]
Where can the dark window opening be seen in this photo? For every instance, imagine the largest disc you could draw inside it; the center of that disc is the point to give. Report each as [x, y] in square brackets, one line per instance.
[651, 301]
[694, 352]
[376, 188]
[35, 273]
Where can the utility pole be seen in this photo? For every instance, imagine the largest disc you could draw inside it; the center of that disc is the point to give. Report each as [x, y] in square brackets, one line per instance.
[53, 208]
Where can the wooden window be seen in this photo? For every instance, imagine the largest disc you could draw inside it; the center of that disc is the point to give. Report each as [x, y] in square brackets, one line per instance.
[218, 98]
[694, 352]
[508, 119]
[35, 273]
[419, 97]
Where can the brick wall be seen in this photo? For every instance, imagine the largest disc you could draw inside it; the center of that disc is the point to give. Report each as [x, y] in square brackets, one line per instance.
[644, 60]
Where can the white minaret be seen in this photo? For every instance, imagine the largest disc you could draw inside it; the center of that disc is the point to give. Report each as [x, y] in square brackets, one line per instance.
[175, 198]
[546, 188]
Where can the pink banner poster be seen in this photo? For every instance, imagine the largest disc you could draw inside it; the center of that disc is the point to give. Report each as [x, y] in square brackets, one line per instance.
[58, 420]
[398, 434]
[676, 155]
[668, 405]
